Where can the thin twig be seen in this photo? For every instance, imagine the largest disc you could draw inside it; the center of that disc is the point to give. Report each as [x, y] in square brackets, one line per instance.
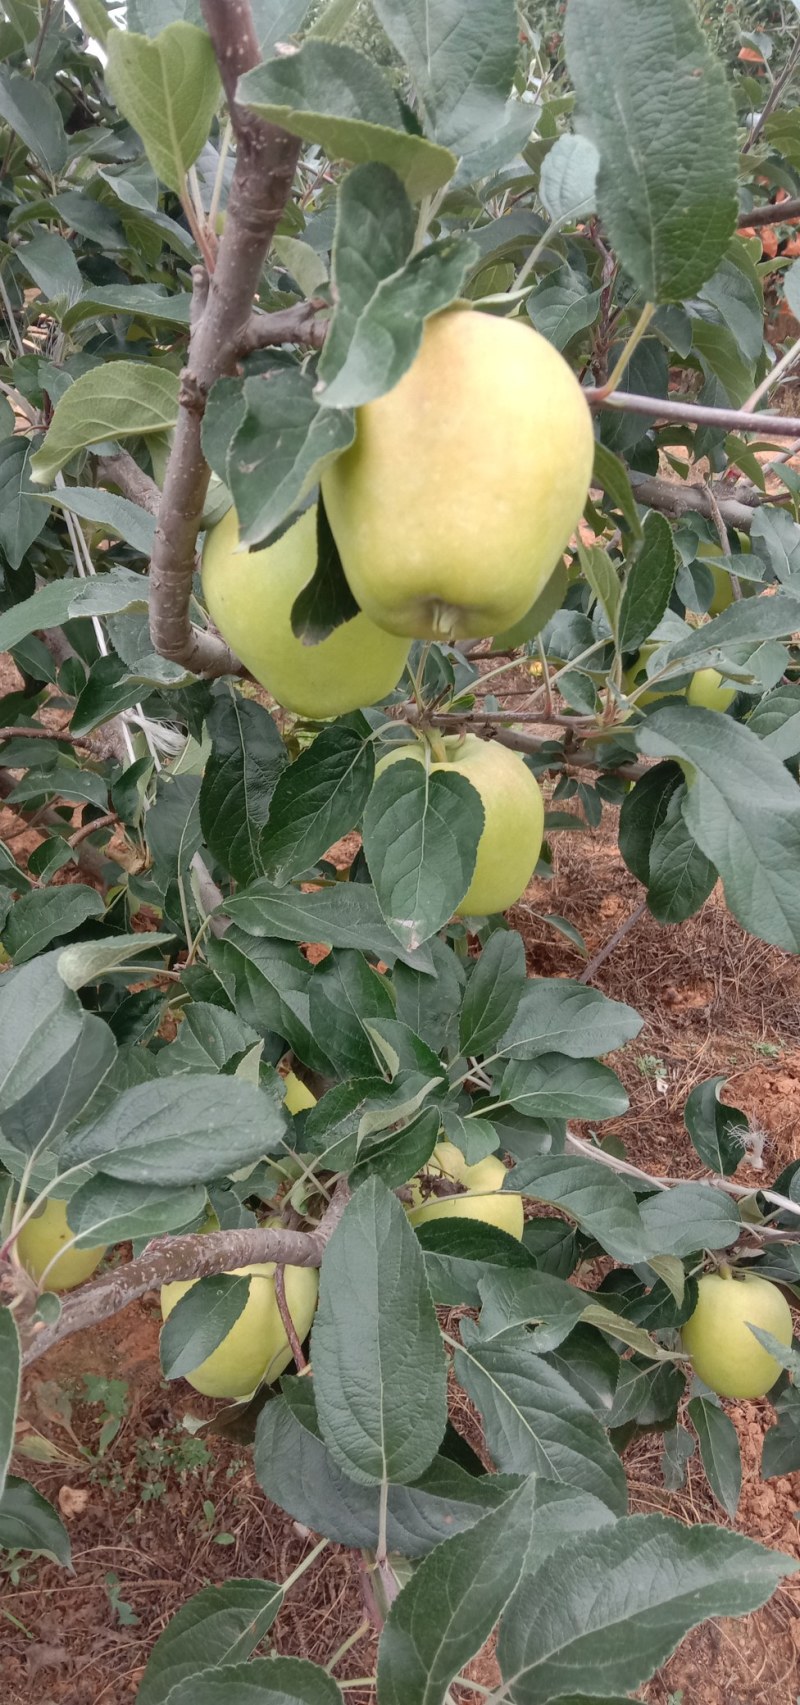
[774, 96]
[694, 414]
[774, 213]
[87, 829]
[288, 1323]
[45, 734]
[614, 940]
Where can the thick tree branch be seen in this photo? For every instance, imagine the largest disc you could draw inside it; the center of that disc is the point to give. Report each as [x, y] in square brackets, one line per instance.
[195, 1256]
[677, 498]
[266, 158]
[297, 324]
[695, 414]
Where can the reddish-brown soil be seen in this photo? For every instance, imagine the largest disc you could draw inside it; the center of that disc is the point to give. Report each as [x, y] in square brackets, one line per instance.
[161, 1513]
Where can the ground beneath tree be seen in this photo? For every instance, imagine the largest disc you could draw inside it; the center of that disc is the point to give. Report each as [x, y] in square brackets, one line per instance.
[156, 1511]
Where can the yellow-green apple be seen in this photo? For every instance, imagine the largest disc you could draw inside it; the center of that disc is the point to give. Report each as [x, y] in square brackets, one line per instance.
[256, 1348]
[717, 1337]
[477, 1198]
[42, 1238]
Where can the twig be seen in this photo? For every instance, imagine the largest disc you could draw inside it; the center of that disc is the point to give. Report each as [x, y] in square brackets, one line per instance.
[288, 1323]
[194, 1256]
[773, 97]
[266, 158]
[695, 414]
[774, 213]
[677, 498]
[614, 940]
[121, 470]
[533, 743]
[44, 734]
[87, 829]
[579, 1146]
[775, 373]
[297, 324]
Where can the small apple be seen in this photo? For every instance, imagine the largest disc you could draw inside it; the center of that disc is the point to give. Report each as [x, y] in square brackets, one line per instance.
[636, 674]
[256, 1348]
[717, 1337]
[706, 688]
[42, 1238]
[723, 588]
[465, 482]
[509, 847]
[478, 1199]
[298, 1097]
[250, 594]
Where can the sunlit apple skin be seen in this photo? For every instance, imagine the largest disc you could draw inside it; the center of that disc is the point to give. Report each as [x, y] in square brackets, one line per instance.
[724, 1353]
[706, 688]
[465, 482]
[509, 847]
[249, 596]
[256, 1348]
[297, 1097]
[42, 1238]
[483, 1181]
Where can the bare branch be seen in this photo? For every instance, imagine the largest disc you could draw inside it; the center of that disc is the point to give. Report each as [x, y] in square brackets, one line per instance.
[121, 470]
[613, 942]
[288, 1323]
[297, 324]
[677, 498]
[196, 1256]
[44, 734]
[695, 414]
[776, 213]
[266, 158]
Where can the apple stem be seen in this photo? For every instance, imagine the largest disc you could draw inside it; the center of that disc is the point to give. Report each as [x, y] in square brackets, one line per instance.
[288, 1323]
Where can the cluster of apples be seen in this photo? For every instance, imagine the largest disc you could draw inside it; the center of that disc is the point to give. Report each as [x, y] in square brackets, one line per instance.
[723, 1351]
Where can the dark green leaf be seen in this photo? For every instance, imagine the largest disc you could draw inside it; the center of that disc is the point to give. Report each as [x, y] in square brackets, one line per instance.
[534, 1299]
[29, 1523]
[62, 1092]
[398, 1157]
[666, 189]
[781, 1452]
[462, 61]
[317, 800]
[222, 1624]
[428, 1005]
[31, 110]
[687, 1218]
[345, 995]
[681, 877]
[535, 1421]
[40, 1024]
[612, 475]
[461, 1253]
[421, 834]
[555, 1087]
[562, 305]
[649, 584]
[181, 1131]
[246, 761]
[558, 1015]
[326, 602]
[46, 914]
[660, 1578]
[643, 811]
[601, 1203]
[493, 993]
[22, 515]
[200, 1321]
[280, 449]
[263, 1681]
[346, 915]
[10, 1367]
[173, 823]
[719, 1449]
[106, 1210]
[379, 1365]
[716, 1129]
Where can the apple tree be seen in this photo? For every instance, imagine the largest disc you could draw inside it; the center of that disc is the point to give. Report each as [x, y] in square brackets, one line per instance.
[442, 335]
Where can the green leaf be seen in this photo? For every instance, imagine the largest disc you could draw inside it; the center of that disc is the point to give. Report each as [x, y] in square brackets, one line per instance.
[44, 914]
[268, 981]
[649, 584]
[743, 810]
[781, 1452]
[494, 991]
[421, 834]
[461, 1253]
[52, 266]
[603, 580]
[48, 607]
[263, 1681]
[121, 399]
[643, 811]
[659, 1578]
[776, 721]
[447, 1610]
[63, 1091]
[568, 182]
[108, 1211]
[379, 1365]
[280, 448]
[428, 1005]
[145, 301]
[555, 1087]
[332, 95]
[208, 1039]
[680, 876]
[200, 1321]
[31, 111]
[168, 89]
[666, 189]
[600, 1202]
[535, 1421]
[298, 1473]
[221, 1624]
[345, 996]
[559, 1015]
[719, 1449]
[612, 475]
[373, 239]
[462, 61]
[776, 539]
[10, 1367]
[318, 799]
[91, 961]
[109, 688]
[22, 515]
[717, 1130]
[181, 1131]
[40, 1025]
[519, 1297]
[397, 1157]
[326, 601]
[687, 1218]
[242, 772]
[346, 915]
[562, 305]
[29, 1523]
[114, 514]
[95, 19]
